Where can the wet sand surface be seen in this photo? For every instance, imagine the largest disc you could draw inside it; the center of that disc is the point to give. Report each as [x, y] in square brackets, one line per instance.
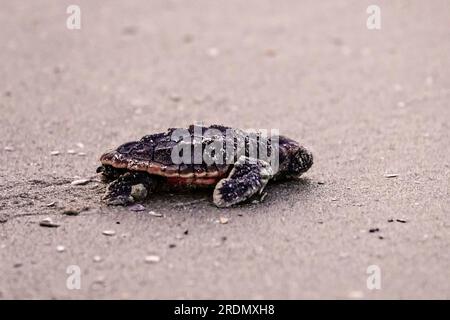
[369, 104]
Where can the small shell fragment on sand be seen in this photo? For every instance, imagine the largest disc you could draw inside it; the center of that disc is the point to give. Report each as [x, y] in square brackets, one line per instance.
[81, 154]
[137, 207]
[391, 175]
[60, 248]
[80, 182]
[71, 151]
[51, 204]
[213, 52]
[48, 222]
[152, 259]
[223, 220]
[54, 153]
[97, 259]
[80, 145]
[9, 148]
[155, 214]
[109, 233]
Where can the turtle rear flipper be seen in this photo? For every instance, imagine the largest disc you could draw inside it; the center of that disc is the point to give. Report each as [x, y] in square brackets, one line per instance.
[247, 178]
[109, 173]
[129, 187]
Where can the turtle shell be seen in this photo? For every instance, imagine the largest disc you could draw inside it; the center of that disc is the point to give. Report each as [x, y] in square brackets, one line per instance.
[153, 154]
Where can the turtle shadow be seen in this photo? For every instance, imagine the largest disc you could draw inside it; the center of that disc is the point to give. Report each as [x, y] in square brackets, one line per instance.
[289, 190]
[292, 185]
[276, 192]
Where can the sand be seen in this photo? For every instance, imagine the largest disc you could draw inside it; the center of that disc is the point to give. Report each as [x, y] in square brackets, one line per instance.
[369, 103]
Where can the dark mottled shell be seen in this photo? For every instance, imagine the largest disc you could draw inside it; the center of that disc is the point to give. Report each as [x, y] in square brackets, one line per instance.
[153, 154]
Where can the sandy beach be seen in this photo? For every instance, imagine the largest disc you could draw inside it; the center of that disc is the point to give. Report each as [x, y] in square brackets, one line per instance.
[372, 105]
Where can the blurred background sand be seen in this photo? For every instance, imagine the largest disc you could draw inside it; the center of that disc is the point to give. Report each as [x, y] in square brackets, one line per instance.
[368, 103]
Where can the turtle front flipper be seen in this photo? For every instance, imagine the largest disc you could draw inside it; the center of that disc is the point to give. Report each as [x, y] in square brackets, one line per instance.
[247, 178]
[129, 187]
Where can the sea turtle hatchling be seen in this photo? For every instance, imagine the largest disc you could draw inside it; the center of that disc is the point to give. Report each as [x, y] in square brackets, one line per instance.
[236, 163]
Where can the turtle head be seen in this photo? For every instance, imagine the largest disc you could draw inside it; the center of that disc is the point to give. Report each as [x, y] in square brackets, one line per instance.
[294, 159]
